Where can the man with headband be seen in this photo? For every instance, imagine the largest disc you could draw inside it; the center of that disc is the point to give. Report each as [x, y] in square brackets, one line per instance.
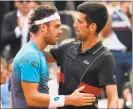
[30, 69]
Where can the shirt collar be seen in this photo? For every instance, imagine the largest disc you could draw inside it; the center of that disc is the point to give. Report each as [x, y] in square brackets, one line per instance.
[91, 50]
[20, 15]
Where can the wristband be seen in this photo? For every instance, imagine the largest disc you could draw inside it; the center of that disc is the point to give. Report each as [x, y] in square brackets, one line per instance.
[56, 101]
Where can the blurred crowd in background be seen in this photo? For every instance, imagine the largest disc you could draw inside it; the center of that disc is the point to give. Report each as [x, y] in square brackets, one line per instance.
[116, 36]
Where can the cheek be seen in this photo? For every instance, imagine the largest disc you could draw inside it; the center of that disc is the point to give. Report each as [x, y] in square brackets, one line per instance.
[54, 33]
[51, 32]
[83, 29]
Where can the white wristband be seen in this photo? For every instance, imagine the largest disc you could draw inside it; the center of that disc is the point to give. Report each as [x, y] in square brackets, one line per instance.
[56, 101]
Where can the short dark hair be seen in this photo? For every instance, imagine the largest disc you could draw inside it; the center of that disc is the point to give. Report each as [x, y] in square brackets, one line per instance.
[39, 13]
[95, 13]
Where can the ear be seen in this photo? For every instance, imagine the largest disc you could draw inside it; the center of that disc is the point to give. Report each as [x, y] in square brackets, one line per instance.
[93, 27]
[43, 27]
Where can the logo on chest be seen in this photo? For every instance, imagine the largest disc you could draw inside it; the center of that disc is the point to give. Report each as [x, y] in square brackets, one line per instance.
[86, 62]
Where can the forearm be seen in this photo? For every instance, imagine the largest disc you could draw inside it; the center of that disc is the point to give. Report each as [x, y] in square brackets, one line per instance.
[38, 100]
[111, 91]
[43, 100]
[113, 104]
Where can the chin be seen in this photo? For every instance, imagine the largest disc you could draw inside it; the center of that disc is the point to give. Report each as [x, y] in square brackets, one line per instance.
[78, 38]
[52, 43]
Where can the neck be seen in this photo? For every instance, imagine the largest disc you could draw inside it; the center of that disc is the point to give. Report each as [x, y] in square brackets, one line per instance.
[23, 13]
[39, 42]
[89, 43]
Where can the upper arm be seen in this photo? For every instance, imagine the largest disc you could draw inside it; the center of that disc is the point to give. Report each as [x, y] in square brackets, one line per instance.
[33, 97]
[56, 55]
[30, 90]
[59, 53]
[106, 76]
[49, 56]
[30, 68]
[107, 79]
[30, 74]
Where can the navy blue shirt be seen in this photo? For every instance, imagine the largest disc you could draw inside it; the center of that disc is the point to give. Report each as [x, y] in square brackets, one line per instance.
[93, 68]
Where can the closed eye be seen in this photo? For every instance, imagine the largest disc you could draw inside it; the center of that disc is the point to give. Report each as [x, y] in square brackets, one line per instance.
[79, 21]
[57, 26]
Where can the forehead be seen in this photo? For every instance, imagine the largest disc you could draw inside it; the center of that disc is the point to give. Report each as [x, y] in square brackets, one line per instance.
[55, 22]
[81, 16]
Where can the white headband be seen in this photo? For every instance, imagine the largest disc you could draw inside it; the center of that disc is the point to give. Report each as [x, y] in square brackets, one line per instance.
[47, 19]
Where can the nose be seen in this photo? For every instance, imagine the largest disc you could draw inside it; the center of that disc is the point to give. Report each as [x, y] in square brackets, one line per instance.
[75, 24]
[60, 32]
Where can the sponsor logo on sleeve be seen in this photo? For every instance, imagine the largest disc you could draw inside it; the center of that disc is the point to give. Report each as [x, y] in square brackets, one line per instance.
[34, 64]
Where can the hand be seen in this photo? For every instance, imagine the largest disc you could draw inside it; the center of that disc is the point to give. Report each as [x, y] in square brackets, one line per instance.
[20, 23]
[30, 17]
[81, 99]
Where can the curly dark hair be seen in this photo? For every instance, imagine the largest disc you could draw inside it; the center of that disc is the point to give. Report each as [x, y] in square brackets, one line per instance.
[95, 13]
[39, 13]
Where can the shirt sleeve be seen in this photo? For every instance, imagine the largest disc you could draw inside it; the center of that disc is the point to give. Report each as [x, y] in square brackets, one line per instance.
[107, 73]
[29, 66]
[59, 53]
